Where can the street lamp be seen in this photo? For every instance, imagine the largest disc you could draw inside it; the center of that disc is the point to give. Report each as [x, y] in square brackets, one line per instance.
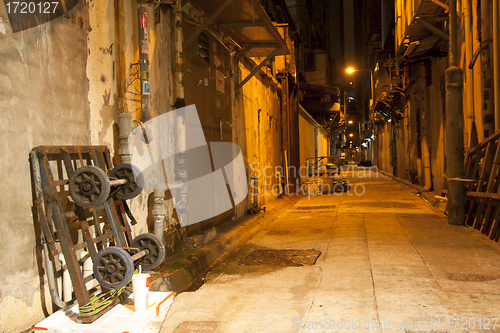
[350, 121]
[351, 70]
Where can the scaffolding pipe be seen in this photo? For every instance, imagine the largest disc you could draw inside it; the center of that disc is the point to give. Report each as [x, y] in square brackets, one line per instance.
[496, 63]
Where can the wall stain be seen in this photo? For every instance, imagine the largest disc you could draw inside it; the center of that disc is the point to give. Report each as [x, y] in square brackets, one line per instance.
[107, 94]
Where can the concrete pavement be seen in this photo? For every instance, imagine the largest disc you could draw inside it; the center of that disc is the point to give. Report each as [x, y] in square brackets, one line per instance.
[389, 263]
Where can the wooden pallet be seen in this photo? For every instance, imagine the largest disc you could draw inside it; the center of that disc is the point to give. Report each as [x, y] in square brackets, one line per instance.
[482, 195]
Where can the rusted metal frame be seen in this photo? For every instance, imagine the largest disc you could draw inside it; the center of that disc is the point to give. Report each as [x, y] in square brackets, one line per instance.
[495, 136]
[486, 219]
[242, 24]
[97, 240]
[485, 168]
[47, 229]
[495, 210]
[257, 69]
[119, 204]
[267, 22]
[133, 221]
[80, 212]
[492, 233]
[207, 22]
[63, 234]
[472, 204]
[432, 28]
[71, 149]
[109, 206]
[100, 245]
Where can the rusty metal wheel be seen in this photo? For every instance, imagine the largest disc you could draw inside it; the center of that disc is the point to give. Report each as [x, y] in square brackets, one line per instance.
[113, 268]
[130, 189]
[155, 248]
[89, 186]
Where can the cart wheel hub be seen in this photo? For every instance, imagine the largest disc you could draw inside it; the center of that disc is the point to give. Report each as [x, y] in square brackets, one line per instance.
[111, 269]
[87, 187]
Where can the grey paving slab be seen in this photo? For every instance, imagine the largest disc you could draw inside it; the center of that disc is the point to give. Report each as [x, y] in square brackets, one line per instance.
[389, 263]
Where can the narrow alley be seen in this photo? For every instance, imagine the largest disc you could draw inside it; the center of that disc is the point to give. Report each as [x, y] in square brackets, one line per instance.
[235, 166]
[388, 262]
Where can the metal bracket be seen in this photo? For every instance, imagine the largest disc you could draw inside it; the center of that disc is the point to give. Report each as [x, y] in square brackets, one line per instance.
[207, 22]
[432, 28]
[257, 69]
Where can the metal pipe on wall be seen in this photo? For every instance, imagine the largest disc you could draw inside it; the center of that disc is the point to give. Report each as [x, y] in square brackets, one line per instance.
[487, 96]
[158, 210]
[469, 75]
[181, 158]
[454, 129]
[143, 60]
[426, 155]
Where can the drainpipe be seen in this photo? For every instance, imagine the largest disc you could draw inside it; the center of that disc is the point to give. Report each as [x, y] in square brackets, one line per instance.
[426, 155]
[469, 75]
[180, 159]
[125, 119]
[158, 211]
[496, 64]
[454, 129]
[487, 97]
[143, 60]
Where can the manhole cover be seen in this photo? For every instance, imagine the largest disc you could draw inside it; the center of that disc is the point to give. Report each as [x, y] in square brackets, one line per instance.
[197, 327]
[278, 232]
[281, 258]
[471, 277]
[315, 207]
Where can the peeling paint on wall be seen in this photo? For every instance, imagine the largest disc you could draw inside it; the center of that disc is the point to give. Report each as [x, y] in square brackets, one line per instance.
[44, 102]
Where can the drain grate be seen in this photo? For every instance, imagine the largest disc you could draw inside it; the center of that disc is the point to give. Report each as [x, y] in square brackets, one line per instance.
[471, 277]
[197, 327]
[283, 258]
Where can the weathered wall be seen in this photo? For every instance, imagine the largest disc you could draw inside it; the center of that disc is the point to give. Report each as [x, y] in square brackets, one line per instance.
[306, 142]
[44, 101]
[313, 141]
[63, 83]
[424, 110]
[259, 130]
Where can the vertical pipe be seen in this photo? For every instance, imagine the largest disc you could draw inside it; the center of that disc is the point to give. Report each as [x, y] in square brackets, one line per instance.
[125, 119]
[158, 210]
[453, 33]
[454, 129]
[496, 64]
[425, 135]
[469, 75]
[487, 96]
[143, 60]
[181, 159]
